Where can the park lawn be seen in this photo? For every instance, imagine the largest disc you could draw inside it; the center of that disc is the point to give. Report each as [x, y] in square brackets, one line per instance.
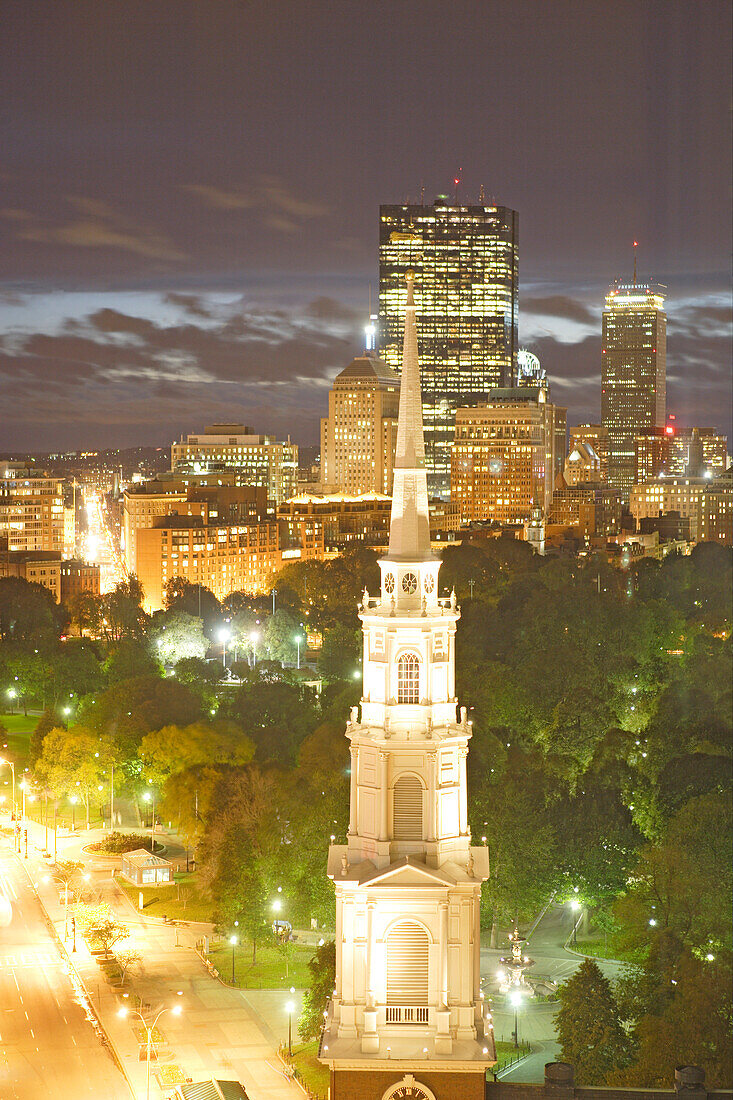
[598, 950]
[17, 740]
[310, 1070]
[163, 900]
[269, 970]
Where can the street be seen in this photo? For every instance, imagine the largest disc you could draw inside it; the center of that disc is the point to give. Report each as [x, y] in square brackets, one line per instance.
[46, 1035]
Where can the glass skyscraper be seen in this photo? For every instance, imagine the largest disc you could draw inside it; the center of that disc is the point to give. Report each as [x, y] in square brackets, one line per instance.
[466, 279]
[633, 374]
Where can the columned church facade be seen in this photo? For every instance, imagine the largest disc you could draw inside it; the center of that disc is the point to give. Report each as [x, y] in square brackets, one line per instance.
[407, 1018]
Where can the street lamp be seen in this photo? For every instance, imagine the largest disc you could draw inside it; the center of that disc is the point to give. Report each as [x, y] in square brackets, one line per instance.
[12, 694]
[233, 941]
[73, 800]
[290, 1009]
[149, 796]
[11, 765]
[254, 639]
[575, 906]
[176, 1010]
[298, 639]
[516, 999]
[224, 636]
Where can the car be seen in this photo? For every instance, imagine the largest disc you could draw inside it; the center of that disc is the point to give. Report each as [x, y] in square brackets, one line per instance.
[283, 929]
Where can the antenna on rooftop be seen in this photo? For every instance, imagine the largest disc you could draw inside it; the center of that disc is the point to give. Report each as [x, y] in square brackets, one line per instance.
[481, 196]
[636, 245]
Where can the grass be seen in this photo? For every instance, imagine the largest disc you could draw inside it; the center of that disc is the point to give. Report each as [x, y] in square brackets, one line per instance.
[16, 742]
[269, 970]
[310, 1070]
[597, 949]
[160, 900]
[505, 1053]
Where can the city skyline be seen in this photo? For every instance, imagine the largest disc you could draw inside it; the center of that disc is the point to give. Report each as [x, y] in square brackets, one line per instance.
[178, 248]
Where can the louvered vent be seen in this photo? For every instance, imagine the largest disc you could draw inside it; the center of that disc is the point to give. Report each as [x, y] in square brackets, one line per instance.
[407, 965]
[408, 808]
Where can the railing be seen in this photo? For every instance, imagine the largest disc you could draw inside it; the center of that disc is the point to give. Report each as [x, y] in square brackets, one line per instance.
[406, 1014]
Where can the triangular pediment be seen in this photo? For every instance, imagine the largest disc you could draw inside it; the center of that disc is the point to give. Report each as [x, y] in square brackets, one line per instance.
[406, 873]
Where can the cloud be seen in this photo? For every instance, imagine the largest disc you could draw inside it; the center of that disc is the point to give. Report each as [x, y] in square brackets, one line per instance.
[190, 303]
[561, 306]
[276, 205]
[97, 226]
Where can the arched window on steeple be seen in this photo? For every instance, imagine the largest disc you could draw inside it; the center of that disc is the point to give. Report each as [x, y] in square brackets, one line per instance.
[408, 678]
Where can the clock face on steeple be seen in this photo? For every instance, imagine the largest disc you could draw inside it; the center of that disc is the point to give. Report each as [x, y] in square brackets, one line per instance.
[408, 1089]
[409, 583]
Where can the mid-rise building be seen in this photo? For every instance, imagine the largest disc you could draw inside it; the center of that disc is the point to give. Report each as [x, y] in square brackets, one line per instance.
[594, 436]
[147, 502]
[31, 508]
[582, 464]
[263, 461]
[465, 260]
[341, 518]
[358, 435]
[507, 454]
[706, 501]
[633, 374]
[79, 576]
[668, 451]
[594, 509]
[225, 558]
[407, 1017]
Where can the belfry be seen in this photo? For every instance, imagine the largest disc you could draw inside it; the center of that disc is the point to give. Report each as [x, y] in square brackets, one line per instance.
[407, 1018]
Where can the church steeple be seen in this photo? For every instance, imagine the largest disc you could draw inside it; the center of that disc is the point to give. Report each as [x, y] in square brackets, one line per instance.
[409, 532]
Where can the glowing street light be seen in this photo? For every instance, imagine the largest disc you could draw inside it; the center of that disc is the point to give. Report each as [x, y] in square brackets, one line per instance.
[224, 636]
[233, 941]
[290, 1009]
[175, 1010]
[298, 639]
[149, 796]
[575, 906]
[12, 695]
[73, 800]
[515, 998]
[254, 639]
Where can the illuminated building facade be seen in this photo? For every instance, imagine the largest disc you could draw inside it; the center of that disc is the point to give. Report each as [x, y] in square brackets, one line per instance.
[706, 501]
[358, 435]
[595, 437]
[31, 508]
[633, 374]
[507, 455]
[667, 451]
[465, 261]
[224, 558]
[263, 461]
[407, 1017]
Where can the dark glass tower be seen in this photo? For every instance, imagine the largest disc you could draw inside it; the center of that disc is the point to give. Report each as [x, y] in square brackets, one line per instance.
[466, 279]
[633, 374]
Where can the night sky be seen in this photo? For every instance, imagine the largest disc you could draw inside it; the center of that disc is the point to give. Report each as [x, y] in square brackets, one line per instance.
[189, 194]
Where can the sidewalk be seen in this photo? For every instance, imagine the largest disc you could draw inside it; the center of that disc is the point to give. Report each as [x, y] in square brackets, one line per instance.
[217, 1034]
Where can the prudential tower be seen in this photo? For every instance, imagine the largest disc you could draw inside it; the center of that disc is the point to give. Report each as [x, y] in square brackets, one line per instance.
[407, 1018]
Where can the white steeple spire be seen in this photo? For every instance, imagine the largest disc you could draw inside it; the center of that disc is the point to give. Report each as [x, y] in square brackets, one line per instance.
[409, 533]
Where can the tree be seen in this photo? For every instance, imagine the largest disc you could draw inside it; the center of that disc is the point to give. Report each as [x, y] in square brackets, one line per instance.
[75, 669]
[73, 762]
[176, 635]
[692, 1027]
[122, 613]
[242, 850]
[85, 611]
[322, 967]
[589, 1027]
[28, 612]
[128, 710]
[129, 659]
[126, 960]
[340, 654]
[174, 749]
[196, 600]
[47, 722]
[276, 716]
[278, 636]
